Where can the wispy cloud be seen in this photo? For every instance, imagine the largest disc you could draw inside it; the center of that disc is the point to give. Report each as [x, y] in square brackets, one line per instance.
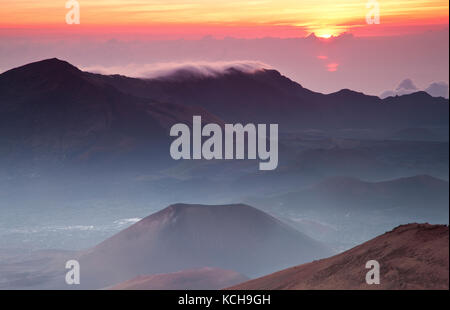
[169, 69]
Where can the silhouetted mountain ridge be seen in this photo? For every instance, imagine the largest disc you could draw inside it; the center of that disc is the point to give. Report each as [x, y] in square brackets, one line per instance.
[262, 96]
[413, 256]
[52, 110]
[266, 96]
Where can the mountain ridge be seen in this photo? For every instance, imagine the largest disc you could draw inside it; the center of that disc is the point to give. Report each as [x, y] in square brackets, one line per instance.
[349, 194]
[268, 96]
[411, 257]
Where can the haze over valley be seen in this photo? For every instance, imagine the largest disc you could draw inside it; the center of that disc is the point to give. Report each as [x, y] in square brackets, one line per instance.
[86, 173]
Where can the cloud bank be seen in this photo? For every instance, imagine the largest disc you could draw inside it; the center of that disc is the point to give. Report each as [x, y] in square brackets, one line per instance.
[366, 64]
[407, 86]
[438, 89]
[170, 70]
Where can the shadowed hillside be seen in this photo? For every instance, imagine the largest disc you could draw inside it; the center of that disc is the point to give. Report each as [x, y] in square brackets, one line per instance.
[232, 237]
[413, 256]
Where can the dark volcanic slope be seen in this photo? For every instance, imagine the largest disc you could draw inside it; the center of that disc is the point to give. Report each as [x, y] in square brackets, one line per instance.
[414, 256]
[197, 279]
[180, 237]
[266, 96]
[51, 112]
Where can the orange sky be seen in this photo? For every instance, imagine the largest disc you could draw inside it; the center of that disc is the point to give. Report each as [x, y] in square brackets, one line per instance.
[251, 18]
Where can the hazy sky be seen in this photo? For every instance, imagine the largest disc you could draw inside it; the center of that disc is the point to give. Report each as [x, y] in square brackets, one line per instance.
[118, 36]
[239, 18]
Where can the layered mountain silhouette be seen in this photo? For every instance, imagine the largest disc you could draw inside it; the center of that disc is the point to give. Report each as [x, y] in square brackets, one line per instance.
[267, 96]
[262, 96]
[197, 279]
[68, 137]
[181, 237]
[52, 112]
[419, 194]
[411, 257]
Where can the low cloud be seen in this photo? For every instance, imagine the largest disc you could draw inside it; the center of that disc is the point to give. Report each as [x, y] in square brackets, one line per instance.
[438, 89]
[407, 86]
[177, 70]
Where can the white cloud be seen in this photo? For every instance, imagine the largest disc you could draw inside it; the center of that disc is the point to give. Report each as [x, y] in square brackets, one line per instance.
[407, 86]
[438, 89]
[173, 69]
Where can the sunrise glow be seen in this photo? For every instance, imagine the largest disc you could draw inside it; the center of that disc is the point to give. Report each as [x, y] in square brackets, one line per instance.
[325, 35]
[250, 18]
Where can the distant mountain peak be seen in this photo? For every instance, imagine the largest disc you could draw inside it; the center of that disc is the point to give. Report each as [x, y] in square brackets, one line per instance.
[174, 210]
[419, 94]
[312, 36]
[181, 237]
[46, 66]
[53, 62]
[40, 76]
[348, 92]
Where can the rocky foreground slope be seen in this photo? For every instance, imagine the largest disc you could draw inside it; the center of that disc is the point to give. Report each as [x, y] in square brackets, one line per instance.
[414, 256]
[194, 279]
